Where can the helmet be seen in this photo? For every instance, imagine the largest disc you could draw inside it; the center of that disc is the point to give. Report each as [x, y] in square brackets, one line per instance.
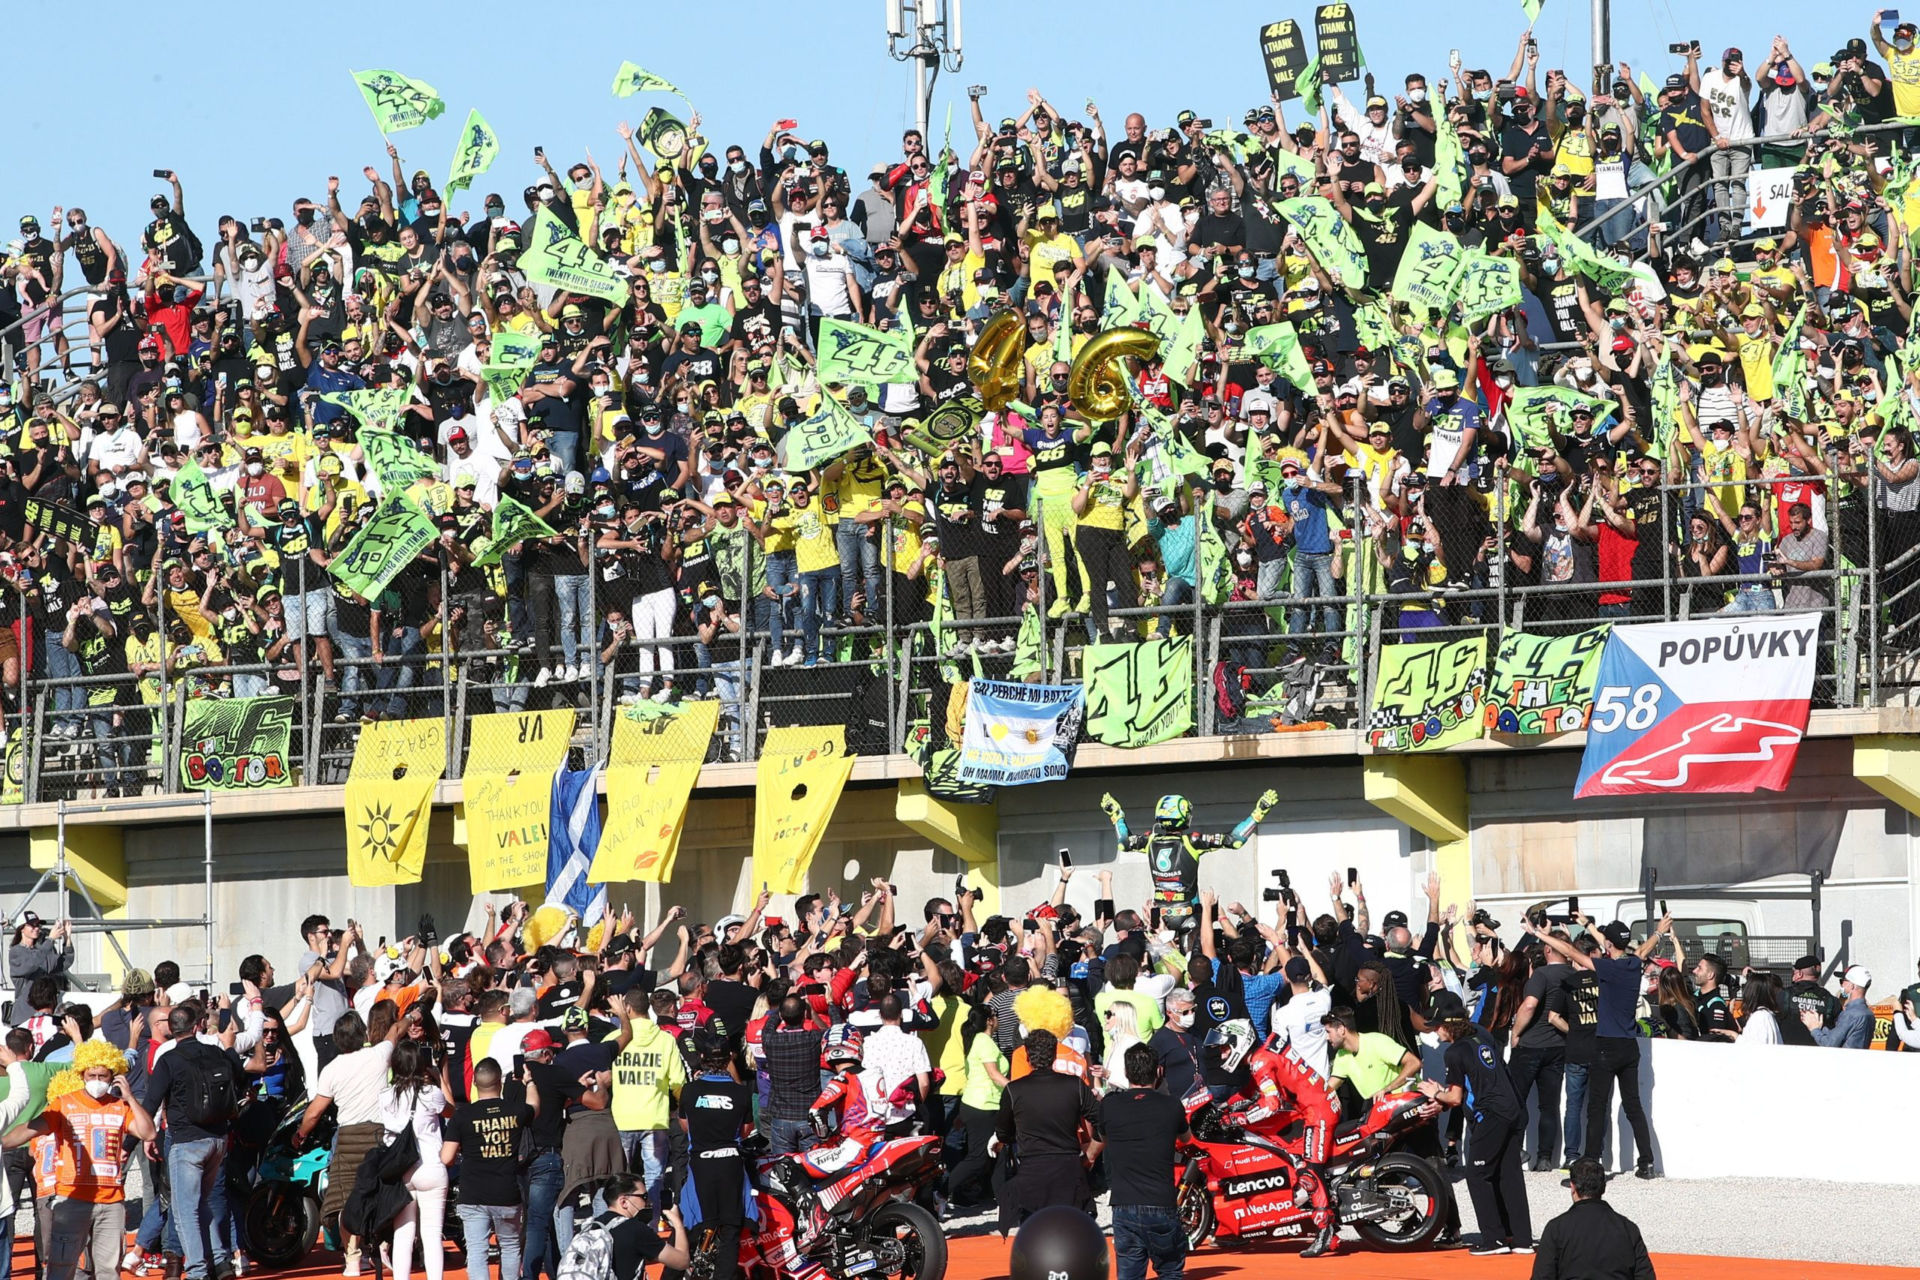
[843, 1044]
[1173, 811]
[1230, 1043]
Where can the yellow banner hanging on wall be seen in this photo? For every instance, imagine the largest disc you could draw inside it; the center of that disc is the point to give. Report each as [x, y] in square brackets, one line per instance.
[389, 799]
[509, 794]
[802, 771]
[654, 764]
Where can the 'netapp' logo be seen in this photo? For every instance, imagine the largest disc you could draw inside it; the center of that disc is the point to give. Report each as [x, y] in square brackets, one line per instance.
[1241, 1188]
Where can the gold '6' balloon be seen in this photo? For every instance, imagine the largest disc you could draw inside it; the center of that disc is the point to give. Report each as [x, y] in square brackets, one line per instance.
[994, 365]
[1098, 382]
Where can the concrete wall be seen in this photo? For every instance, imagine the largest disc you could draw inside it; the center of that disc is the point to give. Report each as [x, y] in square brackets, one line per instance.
[1529, 840]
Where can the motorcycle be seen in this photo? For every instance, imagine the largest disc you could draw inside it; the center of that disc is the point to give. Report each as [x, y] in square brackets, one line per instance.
[282, 1218]
[1239, 1183]
[833, 1212]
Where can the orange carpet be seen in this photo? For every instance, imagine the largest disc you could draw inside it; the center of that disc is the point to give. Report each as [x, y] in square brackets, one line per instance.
[984, 1257]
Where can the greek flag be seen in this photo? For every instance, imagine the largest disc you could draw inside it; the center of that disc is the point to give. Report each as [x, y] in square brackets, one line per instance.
[573, 833]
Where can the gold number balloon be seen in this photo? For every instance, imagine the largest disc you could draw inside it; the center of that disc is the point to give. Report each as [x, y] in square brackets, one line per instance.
[994, 365]
[1098, 382]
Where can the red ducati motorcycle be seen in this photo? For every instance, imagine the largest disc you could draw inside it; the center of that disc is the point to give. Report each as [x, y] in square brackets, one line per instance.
[1239, 1184]
[842, 1210]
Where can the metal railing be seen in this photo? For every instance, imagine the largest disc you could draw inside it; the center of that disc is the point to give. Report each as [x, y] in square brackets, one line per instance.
[1296, 660]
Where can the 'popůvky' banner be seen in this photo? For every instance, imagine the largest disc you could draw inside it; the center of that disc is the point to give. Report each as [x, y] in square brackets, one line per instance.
[1428, 695]
[1543, 684]
[1714, 705]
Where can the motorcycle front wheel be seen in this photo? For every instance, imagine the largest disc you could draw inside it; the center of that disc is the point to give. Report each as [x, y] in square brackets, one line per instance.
[282, 1223]
[1427, 1195]
[1196, 1212]
[919, 1235]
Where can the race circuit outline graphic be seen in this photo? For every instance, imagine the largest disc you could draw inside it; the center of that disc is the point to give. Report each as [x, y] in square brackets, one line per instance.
[1623, 771]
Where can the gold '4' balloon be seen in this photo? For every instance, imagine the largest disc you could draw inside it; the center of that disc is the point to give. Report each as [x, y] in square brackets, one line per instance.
[994, 365]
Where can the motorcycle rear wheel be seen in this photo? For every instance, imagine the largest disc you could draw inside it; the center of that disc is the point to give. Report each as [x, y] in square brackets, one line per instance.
[282, 1224]
[919, 1234]
[1417, 1228]
[1196, 1213]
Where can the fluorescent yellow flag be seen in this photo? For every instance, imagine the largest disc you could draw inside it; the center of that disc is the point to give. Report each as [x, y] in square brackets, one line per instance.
[802, 771]
[509, 786]
[655, 761]
[389, 798]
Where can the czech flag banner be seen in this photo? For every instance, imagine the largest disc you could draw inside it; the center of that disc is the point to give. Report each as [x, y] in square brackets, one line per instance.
[1714, 705]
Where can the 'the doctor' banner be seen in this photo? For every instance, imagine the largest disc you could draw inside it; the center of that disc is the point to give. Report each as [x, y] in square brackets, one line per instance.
[1715, 705]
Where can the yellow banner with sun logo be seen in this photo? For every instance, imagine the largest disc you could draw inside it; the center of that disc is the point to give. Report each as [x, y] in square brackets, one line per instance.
[389, 798]
[802, 771]
[656, 758]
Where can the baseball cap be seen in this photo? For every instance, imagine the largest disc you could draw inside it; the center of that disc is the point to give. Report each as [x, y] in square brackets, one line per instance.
[1446, 1007]
[1444, 377]
[1858, 975]
[538, 1040]
[575, 1019]
[1731, 54]
[179, 993]
[1617, 933]
[1674, 81]
[1298, 970]
[137, 982]
[1393, 920]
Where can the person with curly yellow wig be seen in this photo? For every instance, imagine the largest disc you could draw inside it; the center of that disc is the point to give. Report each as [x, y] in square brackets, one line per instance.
[1044, 1009]
[85, 1131]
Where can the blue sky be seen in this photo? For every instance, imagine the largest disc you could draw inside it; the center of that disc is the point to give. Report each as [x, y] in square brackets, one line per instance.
[254, 108]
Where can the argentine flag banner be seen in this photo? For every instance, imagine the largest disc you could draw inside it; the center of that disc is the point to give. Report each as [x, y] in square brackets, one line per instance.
[1019, 733]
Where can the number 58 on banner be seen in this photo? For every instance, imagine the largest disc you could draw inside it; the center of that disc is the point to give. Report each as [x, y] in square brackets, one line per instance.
[1617, 706]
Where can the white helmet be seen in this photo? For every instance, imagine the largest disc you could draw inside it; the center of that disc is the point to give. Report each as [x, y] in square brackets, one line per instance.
[1232, 1041]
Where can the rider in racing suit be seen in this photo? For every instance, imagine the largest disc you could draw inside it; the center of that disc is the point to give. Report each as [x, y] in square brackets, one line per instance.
[1173, 850]
[1282, 1080]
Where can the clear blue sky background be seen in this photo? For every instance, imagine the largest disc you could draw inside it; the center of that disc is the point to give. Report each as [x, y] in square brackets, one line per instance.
[253, 106]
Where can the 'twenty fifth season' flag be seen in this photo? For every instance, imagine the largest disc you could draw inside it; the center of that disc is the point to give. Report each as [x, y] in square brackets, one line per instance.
[398, 102]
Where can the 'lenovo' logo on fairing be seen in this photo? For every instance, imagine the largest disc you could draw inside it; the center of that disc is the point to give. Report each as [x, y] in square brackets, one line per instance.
[1240, 1188]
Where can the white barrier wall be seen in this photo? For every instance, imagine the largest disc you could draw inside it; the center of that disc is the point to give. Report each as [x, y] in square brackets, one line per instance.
[1785, 1111]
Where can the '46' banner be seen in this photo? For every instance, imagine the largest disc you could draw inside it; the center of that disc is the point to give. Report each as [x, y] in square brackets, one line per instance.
[1719, 704]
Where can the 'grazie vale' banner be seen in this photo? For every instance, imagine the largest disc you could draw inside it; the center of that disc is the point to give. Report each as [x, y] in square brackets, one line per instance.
[1715, 705]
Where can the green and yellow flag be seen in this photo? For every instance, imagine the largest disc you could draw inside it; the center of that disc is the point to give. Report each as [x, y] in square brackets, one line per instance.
[556, 257]
[194, 495]
[631, 79]
[397, 102]
[513, 523]
[478, 148]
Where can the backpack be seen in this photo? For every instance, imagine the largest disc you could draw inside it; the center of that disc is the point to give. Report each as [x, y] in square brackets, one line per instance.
[590, 1255]
[205, 1086]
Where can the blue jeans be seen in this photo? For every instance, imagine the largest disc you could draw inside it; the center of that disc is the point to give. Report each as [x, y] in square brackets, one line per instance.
[1575, 1126]
[565, 448]
[783, 579]
[1751, 597]
[649, 1147]
[784, 1137]
[575, 593]
[859, 563]
[246, 685]
[62, 664]
[564, 1222]
[194, 1170]
[353, 676]
[1313, 578]
[546, 1177]
[733, 710]
[1143, 1233]
[109, 757]
[818, 591]
[504, 1223]
[401, 652]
